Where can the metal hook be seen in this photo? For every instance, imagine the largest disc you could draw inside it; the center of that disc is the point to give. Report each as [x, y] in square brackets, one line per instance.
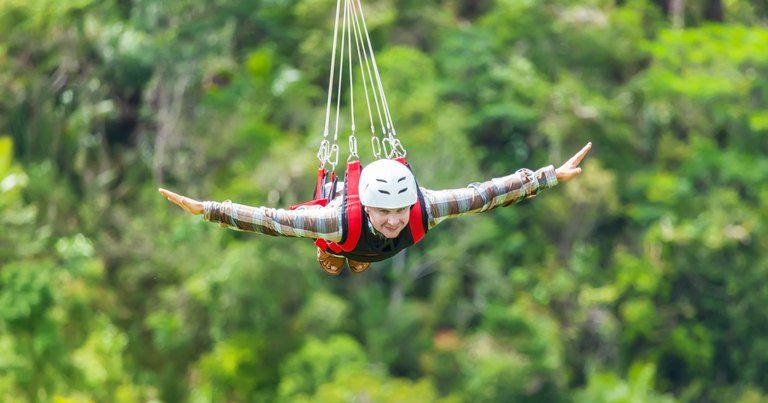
[323, 152]
[387, 147]
[353, 148]
[333, 157]
[398, 148]
[376, 145]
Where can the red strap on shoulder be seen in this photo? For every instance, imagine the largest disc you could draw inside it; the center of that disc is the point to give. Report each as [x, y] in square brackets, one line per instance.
[354, 213]
[415, 222]
[354, 208]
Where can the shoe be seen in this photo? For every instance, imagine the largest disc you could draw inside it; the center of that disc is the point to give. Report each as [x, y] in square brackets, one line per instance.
[358, 267]
[331, 263]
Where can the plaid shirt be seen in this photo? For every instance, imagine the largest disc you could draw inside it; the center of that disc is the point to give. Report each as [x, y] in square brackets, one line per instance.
[325, 222]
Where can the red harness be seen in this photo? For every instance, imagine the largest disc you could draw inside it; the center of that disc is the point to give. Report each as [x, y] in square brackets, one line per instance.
[354, 209]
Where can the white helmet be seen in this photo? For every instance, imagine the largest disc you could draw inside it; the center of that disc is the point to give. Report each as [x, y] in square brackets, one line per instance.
[387, 184]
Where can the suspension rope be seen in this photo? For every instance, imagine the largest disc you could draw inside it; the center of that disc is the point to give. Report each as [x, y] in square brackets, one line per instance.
[353, 23]
[341, 75]
[352, 138]
[380, 86]
[365, 66]
[323, 153]
[395, 147]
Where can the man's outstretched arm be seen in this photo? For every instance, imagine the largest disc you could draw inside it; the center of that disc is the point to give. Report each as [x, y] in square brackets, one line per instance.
[479, 197]
[321, 222]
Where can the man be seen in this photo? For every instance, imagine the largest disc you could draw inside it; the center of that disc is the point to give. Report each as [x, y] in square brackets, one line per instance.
[391, 199]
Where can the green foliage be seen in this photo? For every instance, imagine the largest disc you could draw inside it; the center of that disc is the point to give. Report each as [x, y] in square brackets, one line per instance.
[16, 239]
[235, 369]
[607, 387]
[316, 364]
[353, 385]
[517, 359]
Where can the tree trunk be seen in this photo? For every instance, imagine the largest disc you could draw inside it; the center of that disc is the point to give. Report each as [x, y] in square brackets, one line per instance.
[714, 11]
[677, 12]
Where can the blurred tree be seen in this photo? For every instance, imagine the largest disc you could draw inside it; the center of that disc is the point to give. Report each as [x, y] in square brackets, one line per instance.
[642, 282]
[316, 363]
[606, 387]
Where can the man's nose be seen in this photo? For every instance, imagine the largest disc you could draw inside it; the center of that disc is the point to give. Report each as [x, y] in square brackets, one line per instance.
[392, 220]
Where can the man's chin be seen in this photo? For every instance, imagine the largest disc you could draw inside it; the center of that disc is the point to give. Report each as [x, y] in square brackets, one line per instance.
[390, 234]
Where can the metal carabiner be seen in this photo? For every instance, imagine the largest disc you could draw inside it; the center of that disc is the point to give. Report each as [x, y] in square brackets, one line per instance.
[398, 149]
[376, 145]
[323, 152]
[333, 157]
[352, 148]
[387, 147]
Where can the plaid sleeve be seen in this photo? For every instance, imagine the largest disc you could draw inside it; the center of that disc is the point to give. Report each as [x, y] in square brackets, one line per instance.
[479, 197]
[310, 222]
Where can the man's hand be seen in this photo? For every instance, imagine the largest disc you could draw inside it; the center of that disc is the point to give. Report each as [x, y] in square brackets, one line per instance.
[570, 168]
[189, 205]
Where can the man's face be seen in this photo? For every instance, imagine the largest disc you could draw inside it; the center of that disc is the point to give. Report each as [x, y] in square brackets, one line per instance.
[389, 222]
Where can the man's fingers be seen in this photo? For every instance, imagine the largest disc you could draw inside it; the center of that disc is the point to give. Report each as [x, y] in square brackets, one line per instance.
[583, 153]
[168, 194]
[187, 204]
[173, 197]
[579, 156]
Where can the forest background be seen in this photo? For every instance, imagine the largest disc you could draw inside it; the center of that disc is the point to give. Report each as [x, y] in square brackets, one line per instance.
[643, 280]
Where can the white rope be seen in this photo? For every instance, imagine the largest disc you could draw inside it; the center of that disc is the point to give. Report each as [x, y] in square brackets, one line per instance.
[352, 138]
[390, 126]
[341, 74]
[369, 73]
[351, 83]
[365, 66]
[363, 58]
[323, 152]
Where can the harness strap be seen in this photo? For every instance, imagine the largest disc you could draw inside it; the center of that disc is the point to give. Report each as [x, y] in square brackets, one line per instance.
[352, 210]
[319, 184]
[322, 199]
[416, 221]
[319, 199]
